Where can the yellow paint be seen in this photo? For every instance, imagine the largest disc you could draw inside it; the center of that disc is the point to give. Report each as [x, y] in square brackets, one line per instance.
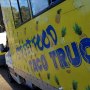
[73, 11]
[2, 53]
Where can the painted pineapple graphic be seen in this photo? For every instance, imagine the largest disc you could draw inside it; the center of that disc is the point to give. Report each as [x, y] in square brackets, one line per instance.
[88, 88]
[37, 25]
[57, 18]
[56, 80]
[63, 34]
[75, 85]
[78, 31]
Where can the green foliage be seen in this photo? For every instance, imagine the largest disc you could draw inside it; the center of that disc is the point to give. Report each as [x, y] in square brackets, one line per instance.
[88, 88]
[24, 12]
[75, 85]
[77, 29]
[63, 32]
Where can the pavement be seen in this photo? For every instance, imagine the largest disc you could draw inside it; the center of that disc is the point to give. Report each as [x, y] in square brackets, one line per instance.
[6, 85]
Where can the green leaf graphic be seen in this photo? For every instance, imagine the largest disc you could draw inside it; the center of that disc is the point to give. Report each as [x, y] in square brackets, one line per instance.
[77, 29]
[57, 81]
[88, 88]
[48, 76]
[75, 85]
[63, 32]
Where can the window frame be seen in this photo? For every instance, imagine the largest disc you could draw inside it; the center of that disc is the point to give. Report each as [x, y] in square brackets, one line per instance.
[22, 22]
[39, 12]
[51, 5]
[21, 12]
[13, 14]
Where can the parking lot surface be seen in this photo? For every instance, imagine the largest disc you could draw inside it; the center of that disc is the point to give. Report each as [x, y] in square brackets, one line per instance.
[6, 85]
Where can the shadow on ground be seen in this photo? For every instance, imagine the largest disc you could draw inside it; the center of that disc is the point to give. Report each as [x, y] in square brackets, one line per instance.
[12, 86]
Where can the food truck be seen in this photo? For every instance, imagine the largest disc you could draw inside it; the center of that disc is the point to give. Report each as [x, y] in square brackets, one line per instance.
[49, 42]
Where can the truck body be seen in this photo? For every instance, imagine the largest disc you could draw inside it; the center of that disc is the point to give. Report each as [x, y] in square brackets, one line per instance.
[2, 56]
[2, 39]
[49, 42]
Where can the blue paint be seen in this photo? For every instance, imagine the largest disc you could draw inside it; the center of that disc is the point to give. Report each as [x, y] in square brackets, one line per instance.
[31, 64]
[61, 55]
[76, 61]
[35, 65]
[65, 56]
[34, 41]
[39, 40]
[44, 62]
[24, 45]
[44, 37]
[53, 56]
[49, 31]
[84, 44]
[62, 58]
[28, 41]
[39, 64]
[39, 43]
[18, 49]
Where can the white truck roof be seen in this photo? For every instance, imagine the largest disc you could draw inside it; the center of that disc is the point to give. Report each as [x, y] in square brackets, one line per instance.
[3, 38]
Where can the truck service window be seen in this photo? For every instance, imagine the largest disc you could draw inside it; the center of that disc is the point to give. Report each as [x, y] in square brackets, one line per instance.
[25, 11]
[16, 14]
[39, 6]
